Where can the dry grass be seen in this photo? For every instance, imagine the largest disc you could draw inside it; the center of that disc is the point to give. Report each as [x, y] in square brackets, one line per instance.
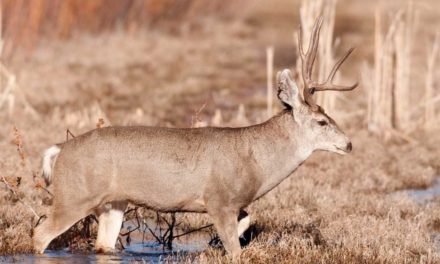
[333, 209]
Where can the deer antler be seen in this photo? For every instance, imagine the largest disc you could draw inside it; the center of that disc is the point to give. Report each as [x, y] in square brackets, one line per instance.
[308, 59]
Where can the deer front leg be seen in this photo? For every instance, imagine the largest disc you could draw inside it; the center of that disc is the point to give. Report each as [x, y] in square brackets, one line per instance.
[225, 221]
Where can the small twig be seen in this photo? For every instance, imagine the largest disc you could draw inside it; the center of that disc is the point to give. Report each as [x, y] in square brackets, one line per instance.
[39, 185]
[137, 220]
[158, 224]
[144, 231]
[120, 242]
[171, 231]
[44, 189]
[194, 230]
[164, 219]
[154, 235]
[131, 210]
[39, 220]
[195, 118]
[68, 133]
[130, 231]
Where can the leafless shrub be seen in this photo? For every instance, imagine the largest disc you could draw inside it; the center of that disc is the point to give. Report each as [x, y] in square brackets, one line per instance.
[165, 230]
[13, 184]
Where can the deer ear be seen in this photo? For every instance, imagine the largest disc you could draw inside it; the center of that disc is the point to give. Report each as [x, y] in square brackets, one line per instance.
[288, 92]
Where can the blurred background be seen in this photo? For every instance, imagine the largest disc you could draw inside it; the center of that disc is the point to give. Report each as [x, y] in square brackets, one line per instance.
[82, 64]
[160, 62]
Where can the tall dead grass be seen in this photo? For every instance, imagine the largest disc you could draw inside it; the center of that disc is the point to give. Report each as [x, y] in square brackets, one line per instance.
[394, 101]
[431, 98]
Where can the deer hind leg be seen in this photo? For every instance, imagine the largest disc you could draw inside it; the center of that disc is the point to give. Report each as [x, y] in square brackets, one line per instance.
[225, 221]
[244, 221]
[57, 223]
[110, 221]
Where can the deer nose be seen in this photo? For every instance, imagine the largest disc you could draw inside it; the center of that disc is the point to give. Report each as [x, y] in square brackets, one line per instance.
[349, 147]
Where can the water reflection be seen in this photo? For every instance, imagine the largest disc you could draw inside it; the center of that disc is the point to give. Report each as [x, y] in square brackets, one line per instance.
[423, 196]
[149, 252]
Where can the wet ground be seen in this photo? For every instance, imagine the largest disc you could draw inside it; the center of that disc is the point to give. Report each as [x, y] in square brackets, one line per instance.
[153, 252]
[142, 249]
[424, 195]
[147, 252]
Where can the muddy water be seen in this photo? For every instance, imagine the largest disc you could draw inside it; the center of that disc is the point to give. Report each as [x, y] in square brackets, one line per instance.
[137, 251]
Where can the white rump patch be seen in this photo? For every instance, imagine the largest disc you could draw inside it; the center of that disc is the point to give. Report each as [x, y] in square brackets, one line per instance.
[48, 157]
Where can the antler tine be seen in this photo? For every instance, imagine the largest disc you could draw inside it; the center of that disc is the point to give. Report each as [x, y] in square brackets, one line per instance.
[308, 60]
[313, 46]
[334, 87]
[328, 84]
[335, 68]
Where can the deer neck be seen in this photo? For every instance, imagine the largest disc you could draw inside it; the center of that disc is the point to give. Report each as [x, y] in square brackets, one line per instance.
[280, 147]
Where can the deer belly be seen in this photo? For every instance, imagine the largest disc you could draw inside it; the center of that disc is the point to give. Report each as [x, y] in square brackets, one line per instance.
[165, 192]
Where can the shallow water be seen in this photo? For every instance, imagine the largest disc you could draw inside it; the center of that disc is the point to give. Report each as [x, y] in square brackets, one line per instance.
[147, 252]
[424, 195]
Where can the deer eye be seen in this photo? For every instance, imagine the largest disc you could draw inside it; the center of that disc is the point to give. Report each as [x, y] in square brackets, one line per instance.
[322, 123]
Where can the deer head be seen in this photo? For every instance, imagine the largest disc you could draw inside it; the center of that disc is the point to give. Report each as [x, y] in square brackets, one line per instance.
[320, 131]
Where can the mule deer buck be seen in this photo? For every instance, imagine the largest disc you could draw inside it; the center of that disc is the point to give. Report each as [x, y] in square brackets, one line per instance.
[218, 171]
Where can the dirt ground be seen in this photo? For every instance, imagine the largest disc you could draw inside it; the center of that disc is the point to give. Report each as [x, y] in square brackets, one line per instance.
[333, 209]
